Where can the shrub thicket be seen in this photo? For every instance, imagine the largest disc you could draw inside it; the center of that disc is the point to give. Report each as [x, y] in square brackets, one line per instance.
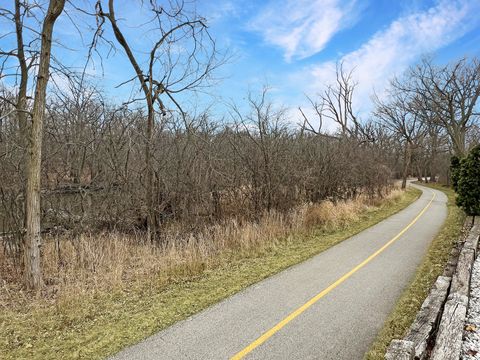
[455, 170]
[466, 178]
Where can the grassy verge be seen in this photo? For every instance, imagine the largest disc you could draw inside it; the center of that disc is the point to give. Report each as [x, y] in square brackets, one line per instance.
[431, 267]
[98, 324]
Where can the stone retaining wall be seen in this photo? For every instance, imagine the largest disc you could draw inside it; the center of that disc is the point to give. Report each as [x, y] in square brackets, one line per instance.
[437, 331]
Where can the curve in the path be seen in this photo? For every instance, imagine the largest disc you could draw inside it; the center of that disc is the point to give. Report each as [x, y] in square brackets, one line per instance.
[328, 307]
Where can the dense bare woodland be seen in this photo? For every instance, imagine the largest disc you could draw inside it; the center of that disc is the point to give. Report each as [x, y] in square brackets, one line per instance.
[87, 181]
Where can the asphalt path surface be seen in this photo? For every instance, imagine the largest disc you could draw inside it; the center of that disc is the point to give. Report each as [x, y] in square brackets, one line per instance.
[328, 307]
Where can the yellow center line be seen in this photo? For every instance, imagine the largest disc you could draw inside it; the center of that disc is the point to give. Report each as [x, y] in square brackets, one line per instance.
[259, 341]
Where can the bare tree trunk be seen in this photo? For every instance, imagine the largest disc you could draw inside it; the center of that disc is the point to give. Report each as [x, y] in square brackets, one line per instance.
[430, 169]
[22, 90]
[406, 164]
[151, 218]
[32, 240]
[419, 172]
[459, 147]
[21, 105]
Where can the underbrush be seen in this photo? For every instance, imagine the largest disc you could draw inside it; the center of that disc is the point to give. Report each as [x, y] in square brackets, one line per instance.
[106, 291]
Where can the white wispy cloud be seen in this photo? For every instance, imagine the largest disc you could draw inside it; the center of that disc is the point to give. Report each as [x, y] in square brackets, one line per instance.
[303, 27]
[218, 11]
[392, 50]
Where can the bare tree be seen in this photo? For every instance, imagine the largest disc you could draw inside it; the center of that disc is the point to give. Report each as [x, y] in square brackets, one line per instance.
[337, 101]
[34, 153]
[168, 72]
[336, 104]
[262, 131]
[395, 112]
[450, 92]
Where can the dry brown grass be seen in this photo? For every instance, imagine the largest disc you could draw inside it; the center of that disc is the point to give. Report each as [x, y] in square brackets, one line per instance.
[99, 262]
[329, 215]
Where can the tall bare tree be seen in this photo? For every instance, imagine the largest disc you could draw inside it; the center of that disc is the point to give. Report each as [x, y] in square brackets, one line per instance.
[335, 103]
[169, 71]
[451, 93]
[395, 112]
[34, 150]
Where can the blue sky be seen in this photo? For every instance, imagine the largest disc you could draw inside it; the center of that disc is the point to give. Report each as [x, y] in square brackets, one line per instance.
[293, 45]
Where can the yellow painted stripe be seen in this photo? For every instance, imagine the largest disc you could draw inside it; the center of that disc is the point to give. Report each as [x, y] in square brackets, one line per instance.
[324, 292]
